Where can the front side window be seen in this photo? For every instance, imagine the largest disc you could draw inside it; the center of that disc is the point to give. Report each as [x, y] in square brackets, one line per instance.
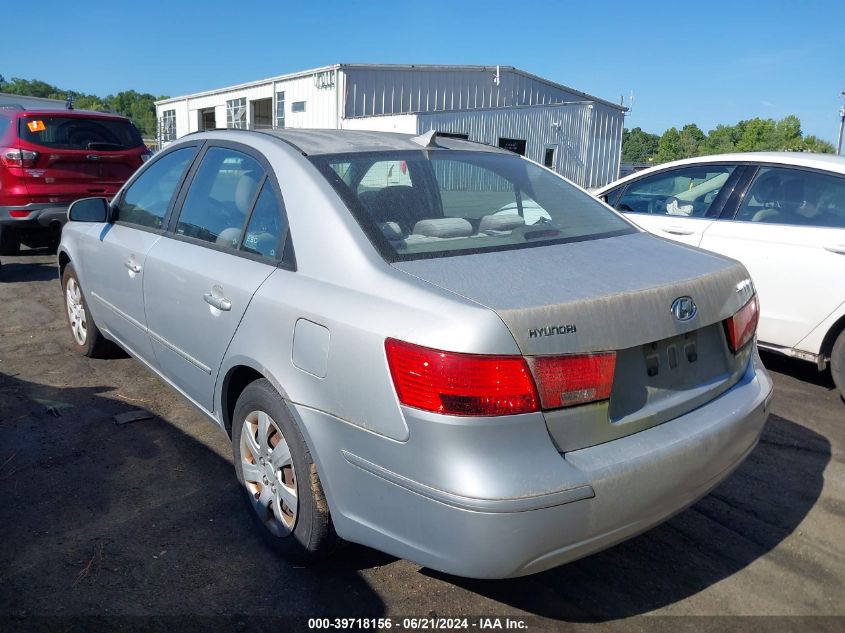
[221, 194]
[426, 204]
[146, 201]
[685, 191]
[280, 109]
[796, 197]
[168, 126]
[236, 113]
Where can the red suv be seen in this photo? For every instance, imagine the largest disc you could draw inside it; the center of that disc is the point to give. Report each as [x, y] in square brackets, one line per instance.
[49, 158]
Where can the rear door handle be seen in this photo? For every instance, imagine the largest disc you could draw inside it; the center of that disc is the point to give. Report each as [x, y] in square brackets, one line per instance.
[221, 303]
[838, 249]
[676, 230]
[131, 265]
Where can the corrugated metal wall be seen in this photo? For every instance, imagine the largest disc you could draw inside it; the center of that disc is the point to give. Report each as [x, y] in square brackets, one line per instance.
[586, 138]
[383, 90]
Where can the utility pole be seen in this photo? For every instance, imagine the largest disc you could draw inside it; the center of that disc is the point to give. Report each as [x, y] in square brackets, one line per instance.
[841, 125]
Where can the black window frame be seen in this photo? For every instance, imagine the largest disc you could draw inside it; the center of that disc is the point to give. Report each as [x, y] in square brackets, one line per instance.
[286, 258]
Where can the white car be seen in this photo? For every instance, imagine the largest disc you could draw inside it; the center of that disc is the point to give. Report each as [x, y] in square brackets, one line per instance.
[780, 214]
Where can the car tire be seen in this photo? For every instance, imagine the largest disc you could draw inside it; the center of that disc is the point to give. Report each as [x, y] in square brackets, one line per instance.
[85, 335]
[272, 461]
[837, 363]
[10, 243]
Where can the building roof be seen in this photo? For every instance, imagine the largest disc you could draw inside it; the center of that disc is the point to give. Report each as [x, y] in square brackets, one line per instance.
[394, 67]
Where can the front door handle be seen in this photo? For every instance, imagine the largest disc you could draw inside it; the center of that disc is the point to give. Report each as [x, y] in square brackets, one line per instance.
[838, 249]
[676, 230]
[131, 265]
[221, 303]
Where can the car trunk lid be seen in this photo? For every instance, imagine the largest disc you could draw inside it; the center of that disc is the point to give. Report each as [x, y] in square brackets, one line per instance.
[613, 294]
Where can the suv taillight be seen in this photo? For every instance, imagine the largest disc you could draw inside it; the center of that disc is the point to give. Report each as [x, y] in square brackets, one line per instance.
[452, 383]
[14, 157]
[740, 328]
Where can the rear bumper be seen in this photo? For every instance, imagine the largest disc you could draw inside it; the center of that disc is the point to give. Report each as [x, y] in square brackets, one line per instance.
[492, 498]
[41, 215]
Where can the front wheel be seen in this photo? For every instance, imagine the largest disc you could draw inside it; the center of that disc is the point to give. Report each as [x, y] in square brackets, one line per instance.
[837, 363]
[279, 477]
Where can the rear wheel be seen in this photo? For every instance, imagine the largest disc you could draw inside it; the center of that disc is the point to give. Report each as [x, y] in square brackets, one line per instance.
[837, 363]
[10, 243]
[279, 478]
[86, 337]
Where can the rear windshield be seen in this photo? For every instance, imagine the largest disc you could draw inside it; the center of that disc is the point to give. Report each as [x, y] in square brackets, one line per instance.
[62, 132]
[414, 205]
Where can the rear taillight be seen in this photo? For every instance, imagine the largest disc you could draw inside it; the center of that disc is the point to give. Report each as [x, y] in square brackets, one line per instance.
[740, 328]
[460, 384]
[19, 213]
[475, 384]
[14, 157]
[566, 381]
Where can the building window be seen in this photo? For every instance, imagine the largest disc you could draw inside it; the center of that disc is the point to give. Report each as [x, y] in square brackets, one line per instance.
[280, 109]
[236, 113]
[297, 106]
[168, 126]
[549, 157]
[515, 145]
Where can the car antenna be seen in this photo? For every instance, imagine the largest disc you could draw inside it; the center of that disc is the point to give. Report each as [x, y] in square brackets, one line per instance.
[427, 139]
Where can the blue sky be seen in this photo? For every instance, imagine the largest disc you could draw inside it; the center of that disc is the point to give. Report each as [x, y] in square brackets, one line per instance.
[703, 63]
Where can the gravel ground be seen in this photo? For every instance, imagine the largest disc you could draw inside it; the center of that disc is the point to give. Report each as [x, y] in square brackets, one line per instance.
[145, 519]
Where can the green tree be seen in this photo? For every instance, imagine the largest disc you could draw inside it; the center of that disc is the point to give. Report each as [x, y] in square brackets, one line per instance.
[638, 146]
[689, 141]
[815, 144]
[669, 147]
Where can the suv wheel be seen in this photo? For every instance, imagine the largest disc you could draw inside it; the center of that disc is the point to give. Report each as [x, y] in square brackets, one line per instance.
[10, 243]
[279, 478]
[87, 338]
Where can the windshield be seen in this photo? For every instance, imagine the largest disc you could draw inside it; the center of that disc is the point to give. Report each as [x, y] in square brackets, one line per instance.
[430, 204]
[63, 132]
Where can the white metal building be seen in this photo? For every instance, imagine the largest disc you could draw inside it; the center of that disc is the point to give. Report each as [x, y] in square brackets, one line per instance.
[576, 134]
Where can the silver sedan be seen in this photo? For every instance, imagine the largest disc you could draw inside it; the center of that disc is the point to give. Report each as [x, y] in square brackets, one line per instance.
[428, 346]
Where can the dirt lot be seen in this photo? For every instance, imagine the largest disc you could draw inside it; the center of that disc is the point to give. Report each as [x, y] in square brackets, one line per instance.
[145, 519]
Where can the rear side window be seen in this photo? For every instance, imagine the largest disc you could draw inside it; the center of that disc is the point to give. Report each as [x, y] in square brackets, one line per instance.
[429, 204]
[4, 125]
[146, 201]
[62, 132]
[685, 191]
[797, 197]
[222, 192]
[267, 226]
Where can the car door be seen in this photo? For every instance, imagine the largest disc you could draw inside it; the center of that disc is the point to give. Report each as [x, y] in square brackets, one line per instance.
[115, 265]
[679, 203]
[223, 242]
[789, 231]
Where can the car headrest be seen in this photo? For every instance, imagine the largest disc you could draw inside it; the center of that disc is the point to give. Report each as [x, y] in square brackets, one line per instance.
[443, 227]
[503, 222]
[229, 237]
[245, 191]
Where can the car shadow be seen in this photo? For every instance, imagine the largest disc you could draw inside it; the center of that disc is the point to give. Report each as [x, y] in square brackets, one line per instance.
[745, 517]
[142, 519]
[18, 270]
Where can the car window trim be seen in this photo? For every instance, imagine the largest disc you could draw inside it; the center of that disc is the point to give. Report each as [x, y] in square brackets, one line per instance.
[118, 199]
[286, 258]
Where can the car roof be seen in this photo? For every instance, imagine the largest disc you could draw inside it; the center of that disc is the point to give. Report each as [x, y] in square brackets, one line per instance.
[10, 111]
[827, 162]
[314, 142]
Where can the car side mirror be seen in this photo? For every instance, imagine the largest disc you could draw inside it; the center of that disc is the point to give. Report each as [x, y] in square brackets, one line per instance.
[89, 210]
